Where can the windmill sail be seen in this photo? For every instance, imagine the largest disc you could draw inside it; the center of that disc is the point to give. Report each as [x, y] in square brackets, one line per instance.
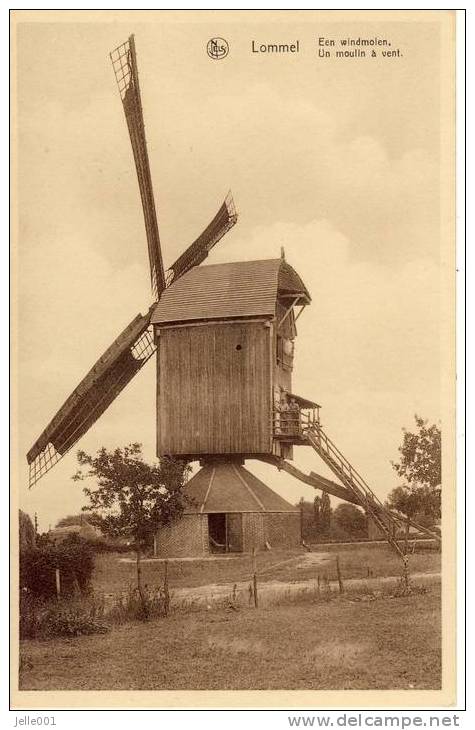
[124, 62]
[107, 378]
[195, 254]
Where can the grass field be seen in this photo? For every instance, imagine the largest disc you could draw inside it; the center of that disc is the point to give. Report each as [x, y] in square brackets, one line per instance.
[383, 644]
[112, 574]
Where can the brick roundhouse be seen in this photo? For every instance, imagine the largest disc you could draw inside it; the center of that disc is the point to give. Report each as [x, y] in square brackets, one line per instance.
[229, 510]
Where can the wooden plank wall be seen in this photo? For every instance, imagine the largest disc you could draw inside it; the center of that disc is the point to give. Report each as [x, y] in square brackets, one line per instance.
[212, 397]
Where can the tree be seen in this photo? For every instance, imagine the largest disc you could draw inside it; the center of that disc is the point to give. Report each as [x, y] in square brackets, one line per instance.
[133, 498]
[420, 503]
[351, 519]
[317, 505]
[27, 531]
[325, 513]
[420, 464]
[420, 451]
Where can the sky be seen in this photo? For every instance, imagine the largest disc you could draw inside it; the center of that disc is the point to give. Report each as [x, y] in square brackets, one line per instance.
[337, 160]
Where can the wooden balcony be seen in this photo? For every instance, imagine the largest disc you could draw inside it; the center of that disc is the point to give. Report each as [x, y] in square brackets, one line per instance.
[290, 425]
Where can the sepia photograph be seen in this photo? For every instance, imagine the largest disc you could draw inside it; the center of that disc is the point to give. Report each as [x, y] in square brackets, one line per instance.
[233, 378]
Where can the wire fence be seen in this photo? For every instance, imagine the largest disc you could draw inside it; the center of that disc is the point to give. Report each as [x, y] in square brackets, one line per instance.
[256, 589]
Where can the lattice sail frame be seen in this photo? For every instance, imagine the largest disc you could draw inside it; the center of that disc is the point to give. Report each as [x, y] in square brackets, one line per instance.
[109, 376]
[198, 251]
[124, 63]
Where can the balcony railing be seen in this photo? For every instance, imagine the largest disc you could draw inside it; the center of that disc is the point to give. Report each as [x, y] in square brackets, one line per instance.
[292, 424]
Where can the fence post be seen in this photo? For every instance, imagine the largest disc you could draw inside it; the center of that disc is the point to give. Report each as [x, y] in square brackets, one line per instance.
[58, 583]
[165, 588]
[406, 572]
[254, 577]
[338, 572]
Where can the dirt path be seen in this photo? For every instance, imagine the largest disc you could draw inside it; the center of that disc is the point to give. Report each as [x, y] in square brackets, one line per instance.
[273, 590]
[303, 561]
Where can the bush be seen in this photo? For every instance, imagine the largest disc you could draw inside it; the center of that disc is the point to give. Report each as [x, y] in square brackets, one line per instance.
[106, 546]
[71, 619]
[74, 558]
[32, 610]
[129, 606]
[40, 618]
[25, 662]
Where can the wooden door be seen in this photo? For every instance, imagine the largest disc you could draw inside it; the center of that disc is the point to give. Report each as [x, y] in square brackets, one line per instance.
[234, 532]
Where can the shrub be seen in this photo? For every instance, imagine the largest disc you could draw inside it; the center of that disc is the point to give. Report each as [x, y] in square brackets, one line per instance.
[100, 545]
[25, 662]
[71, 618]
[130, 607]
[40, 618]
[32, 611]
[421, 546]
[74, 558]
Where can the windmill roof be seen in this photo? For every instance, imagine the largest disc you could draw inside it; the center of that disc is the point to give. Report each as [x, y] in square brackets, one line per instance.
[240, 289]
[229, 487]
[84, 528]
[66, 529]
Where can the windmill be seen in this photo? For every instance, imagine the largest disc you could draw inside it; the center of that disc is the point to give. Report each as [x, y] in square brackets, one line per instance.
[224, 338]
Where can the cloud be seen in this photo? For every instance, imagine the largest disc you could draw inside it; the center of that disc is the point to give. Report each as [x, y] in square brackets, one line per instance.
[290, 161]
[284, 160]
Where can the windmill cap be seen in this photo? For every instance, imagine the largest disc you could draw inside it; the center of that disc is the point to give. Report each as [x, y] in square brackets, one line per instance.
[233, 290]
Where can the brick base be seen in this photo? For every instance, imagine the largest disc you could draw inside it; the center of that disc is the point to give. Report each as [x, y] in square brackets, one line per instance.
[283, 530]
[186, 538]
[189, 536]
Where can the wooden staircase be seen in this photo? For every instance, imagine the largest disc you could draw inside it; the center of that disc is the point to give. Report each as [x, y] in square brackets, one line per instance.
[354, 482]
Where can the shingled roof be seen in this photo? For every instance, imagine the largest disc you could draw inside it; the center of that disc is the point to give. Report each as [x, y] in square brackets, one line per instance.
[240, 289]
[229, 487]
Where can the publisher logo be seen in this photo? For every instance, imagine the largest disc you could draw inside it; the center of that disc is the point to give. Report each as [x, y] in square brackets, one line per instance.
[217, 48]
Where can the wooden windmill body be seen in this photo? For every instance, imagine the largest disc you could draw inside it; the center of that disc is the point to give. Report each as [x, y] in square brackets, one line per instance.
[224, 337]
[221, 367]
